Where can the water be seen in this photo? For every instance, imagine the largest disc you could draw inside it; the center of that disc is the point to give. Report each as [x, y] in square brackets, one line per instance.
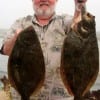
[3, 69]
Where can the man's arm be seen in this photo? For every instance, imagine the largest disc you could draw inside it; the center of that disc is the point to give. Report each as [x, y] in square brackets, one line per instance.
[10, 38]
[8, 45]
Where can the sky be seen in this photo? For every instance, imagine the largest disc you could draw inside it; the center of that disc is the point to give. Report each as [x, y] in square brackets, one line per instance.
[10, 10]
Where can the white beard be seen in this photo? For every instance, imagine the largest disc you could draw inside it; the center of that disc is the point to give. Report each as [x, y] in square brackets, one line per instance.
[44, 13]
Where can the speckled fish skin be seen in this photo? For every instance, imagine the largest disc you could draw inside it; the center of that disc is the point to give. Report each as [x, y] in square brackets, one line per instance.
[26, 68]
[80, 58]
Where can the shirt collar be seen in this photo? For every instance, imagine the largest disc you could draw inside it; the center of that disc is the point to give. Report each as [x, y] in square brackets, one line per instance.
[34, 20]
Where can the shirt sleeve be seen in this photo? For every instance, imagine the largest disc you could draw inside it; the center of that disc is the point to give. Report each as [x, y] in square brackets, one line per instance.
[21, 23]
[10, 33]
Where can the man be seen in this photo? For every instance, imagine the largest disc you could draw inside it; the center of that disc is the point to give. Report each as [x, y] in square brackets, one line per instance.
[44, 13]
[51, 31]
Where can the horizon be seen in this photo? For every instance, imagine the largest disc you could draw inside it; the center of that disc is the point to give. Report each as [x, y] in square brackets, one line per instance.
[15, 9]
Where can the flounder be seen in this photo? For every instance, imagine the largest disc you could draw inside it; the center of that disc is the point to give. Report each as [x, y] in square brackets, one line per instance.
[26, 68]
[80, 57]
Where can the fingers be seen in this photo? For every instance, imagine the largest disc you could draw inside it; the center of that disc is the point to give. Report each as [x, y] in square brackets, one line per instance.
[80, 1]
[79, 4]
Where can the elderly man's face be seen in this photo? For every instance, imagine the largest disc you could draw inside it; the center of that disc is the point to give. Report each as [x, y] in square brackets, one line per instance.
[44, 7]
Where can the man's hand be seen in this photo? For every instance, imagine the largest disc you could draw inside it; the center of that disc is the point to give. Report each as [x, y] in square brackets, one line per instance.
[83, 22]
[79, 4]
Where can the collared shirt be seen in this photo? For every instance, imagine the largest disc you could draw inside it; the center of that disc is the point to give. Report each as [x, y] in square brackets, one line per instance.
[51, 37]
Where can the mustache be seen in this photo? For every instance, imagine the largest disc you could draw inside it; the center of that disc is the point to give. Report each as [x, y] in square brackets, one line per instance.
[44, 3]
